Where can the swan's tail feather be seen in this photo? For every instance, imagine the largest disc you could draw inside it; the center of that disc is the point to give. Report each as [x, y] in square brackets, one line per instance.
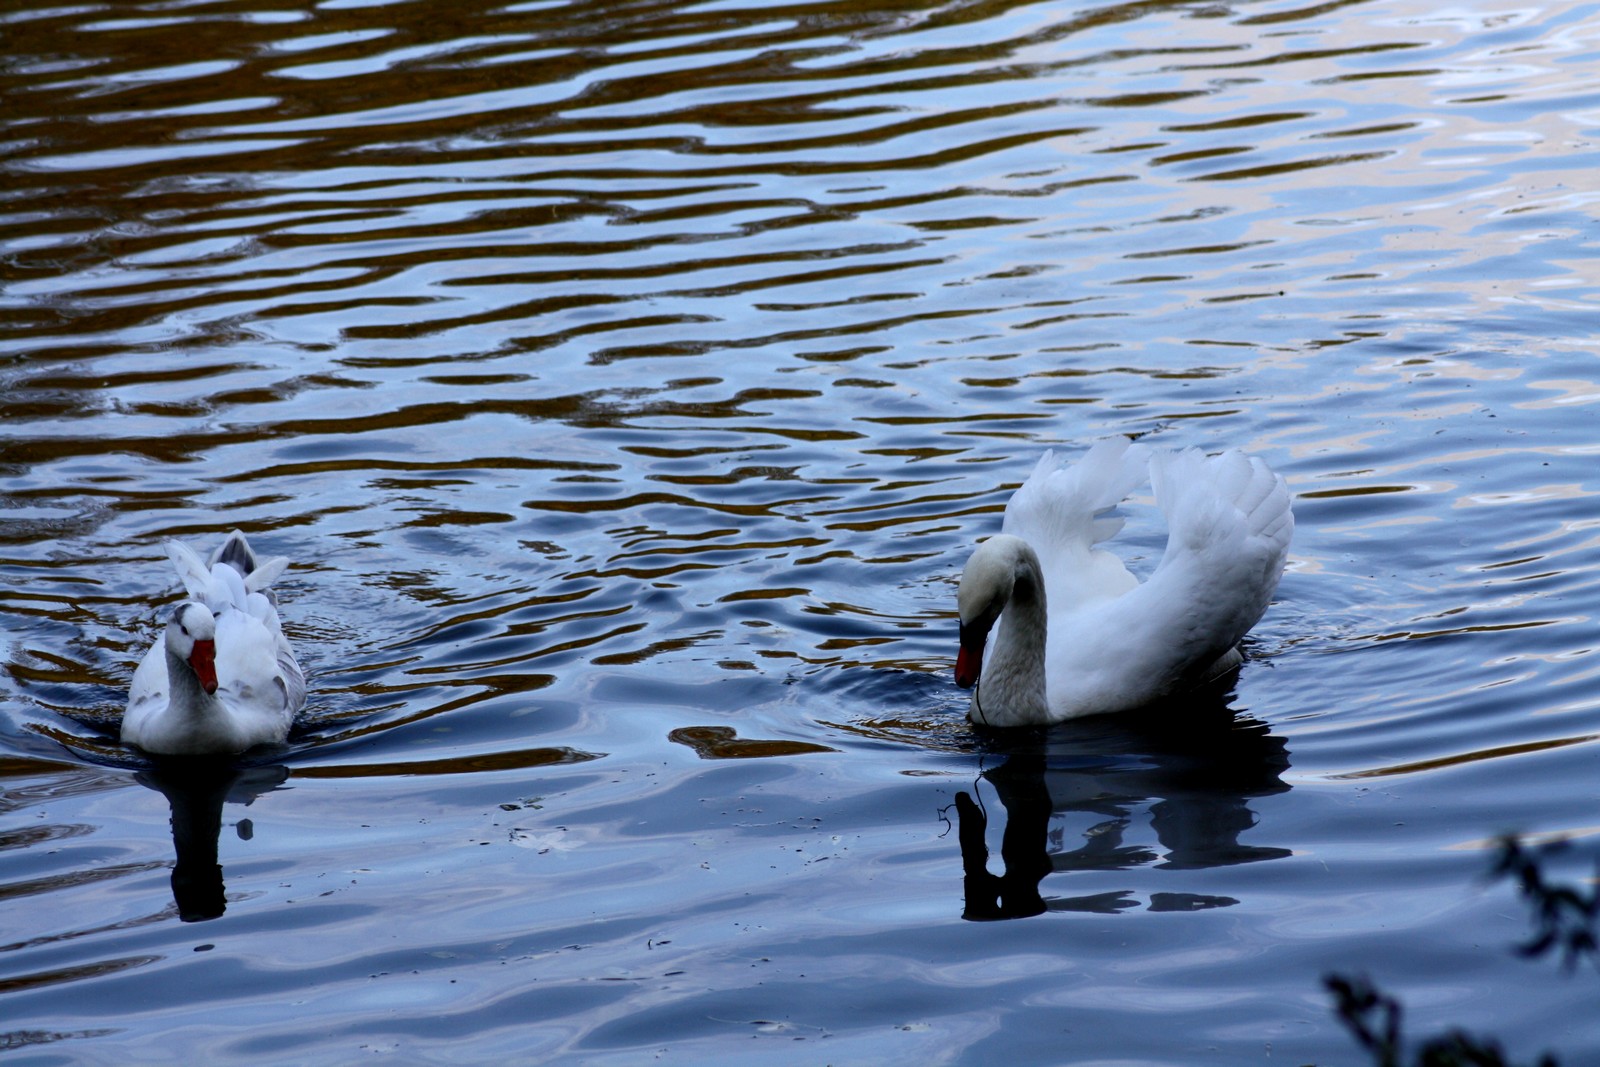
[232, 575]
[258, 573]
[236, 553]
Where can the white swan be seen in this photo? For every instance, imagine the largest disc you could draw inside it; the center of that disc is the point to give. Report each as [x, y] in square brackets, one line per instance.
[1073, 632]
[222, 677]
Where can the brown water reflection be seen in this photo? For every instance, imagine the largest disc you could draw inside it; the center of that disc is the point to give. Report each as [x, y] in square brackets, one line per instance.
[720, 742]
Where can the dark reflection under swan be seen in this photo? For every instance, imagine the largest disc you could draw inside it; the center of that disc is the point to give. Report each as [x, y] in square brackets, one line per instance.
[196, 789]
[1195, 766]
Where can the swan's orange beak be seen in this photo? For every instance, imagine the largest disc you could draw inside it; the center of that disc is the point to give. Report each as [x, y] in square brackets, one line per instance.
[204, 661]
[969, 661]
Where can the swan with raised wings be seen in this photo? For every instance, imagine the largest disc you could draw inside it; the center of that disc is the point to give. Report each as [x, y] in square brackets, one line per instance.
[1054, 627]
[222, 677]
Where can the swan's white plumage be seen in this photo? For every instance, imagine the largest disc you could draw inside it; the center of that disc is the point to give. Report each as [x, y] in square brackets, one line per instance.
[1108, 642]
[259, 686]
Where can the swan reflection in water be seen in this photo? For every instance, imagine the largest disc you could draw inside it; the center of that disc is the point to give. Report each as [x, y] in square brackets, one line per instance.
[1195, 766]
[196, 789]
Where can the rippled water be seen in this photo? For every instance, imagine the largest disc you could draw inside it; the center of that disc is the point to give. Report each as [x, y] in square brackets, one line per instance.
[629, 381]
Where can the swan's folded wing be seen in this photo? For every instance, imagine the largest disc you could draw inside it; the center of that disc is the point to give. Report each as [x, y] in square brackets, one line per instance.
[294, 679]
[1229, 524]
[1229, 527]
[256, 669]
[261, 606]
[148, 693]
[1063, 512]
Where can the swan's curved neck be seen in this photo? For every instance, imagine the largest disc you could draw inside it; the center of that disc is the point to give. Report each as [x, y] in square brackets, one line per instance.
[1011, 690]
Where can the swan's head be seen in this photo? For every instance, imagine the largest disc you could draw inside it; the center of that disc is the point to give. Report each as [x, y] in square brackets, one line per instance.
[192, 638]
[986, 585]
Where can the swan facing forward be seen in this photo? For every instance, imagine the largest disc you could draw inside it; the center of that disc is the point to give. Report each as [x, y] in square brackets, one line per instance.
[222, 678]
[1058, 628]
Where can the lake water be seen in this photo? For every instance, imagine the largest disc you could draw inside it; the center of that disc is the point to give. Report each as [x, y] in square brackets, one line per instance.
[629, 381]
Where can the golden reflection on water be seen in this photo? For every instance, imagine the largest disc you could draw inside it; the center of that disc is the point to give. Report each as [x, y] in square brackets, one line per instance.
[721, 742]
[1460, 758]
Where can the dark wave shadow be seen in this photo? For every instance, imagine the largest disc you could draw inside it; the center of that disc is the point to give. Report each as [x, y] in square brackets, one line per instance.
[1194, 766]
[196, 789]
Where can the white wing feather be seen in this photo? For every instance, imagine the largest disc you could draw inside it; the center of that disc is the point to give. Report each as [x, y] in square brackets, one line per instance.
[1114, 643]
